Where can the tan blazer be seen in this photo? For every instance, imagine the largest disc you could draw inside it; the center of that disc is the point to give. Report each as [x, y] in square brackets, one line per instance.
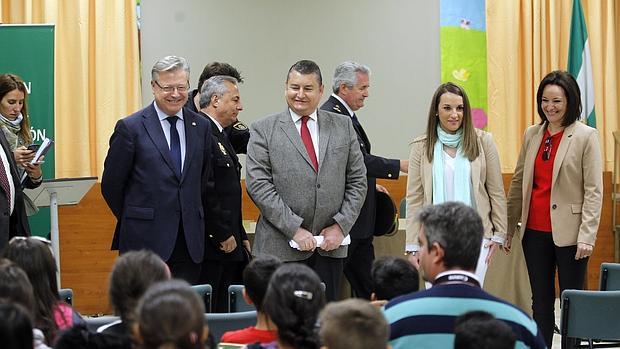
[487, 186]
[576, 187]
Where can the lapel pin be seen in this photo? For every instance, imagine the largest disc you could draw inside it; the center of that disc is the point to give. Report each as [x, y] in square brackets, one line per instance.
[193, 123]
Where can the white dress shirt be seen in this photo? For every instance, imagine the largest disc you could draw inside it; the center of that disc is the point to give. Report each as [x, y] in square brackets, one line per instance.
[313, 127]
[165, 125]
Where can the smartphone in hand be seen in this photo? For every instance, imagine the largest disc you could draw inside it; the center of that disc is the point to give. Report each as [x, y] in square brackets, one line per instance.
[34, 147]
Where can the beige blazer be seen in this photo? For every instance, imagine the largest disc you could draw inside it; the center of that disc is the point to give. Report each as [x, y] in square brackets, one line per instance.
[487, 186]
[576, 187]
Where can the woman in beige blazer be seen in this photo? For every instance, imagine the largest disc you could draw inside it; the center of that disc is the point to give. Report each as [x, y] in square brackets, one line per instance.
[456, 162]
[556, 195]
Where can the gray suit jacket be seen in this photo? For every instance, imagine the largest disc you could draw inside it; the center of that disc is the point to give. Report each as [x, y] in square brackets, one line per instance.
[281, 181]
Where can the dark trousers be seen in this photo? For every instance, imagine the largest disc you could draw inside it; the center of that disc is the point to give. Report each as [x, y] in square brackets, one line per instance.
[220, 275]
[329, 270]
[180, 262]
[542, 257]
[357, 266]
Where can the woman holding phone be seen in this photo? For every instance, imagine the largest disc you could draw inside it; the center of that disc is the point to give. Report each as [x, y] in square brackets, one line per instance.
[15, 124]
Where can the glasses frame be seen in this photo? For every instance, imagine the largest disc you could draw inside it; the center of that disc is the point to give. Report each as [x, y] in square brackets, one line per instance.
[171, 89]
[547, 149]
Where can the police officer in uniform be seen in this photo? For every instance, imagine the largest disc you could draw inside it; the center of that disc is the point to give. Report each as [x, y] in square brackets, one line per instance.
[350, 89]
[227, 247]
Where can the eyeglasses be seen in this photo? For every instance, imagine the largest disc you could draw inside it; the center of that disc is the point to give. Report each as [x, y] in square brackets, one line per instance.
[547, 150]
[34, 237]
[170, 89]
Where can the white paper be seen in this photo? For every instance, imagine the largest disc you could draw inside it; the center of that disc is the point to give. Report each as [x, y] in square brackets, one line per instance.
[45, 146]
[319, 241]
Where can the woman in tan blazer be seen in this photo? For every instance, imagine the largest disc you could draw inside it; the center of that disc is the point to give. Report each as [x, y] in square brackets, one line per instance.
[456, 162]
[556, 194]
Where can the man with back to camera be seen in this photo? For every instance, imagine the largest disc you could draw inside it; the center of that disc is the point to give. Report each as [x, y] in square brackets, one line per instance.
[226, 238]
[155, 174]
[449, 249]
[306, 174]
[351, 83]
[237, 132]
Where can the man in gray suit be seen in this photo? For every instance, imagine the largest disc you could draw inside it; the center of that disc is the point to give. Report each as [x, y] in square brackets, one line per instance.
[306, 174]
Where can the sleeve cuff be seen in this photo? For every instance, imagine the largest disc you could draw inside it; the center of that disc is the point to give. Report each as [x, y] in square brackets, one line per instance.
[412, 248]
[500, 240]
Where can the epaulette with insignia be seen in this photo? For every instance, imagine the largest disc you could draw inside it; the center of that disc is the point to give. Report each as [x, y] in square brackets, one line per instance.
[239, 126]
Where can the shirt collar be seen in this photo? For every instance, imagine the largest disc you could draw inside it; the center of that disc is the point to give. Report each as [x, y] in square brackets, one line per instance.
[219, 127]
[464, 272]
[162, 116]
[344, 103]
[295, 117]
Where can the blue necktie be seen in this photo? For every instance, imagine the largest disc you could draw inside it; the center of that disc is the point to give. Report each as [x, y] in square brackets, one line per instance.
[175, 143]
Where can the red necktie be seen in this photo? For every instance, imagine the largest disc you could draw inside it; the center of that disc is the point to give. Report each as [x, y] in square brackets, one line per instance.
[307, 139]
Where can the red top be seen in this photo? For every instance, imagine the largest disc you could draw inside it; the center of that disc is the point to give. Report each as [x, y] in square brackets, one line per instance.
[539, 217]
[249, 335]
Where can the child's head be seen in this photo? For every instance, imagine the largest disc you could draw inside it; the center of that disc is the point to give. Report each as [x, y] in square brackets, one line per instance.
[293, 300]
[131, 276]
[393, 277]
[170, 314]
[353, 323]
[256, 277]
[15, 327]
[481, 330]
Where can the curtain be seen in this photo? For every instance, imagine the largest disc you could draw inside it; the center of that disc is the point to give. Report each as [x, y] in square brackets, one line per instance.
[529, 38]
[97, 77]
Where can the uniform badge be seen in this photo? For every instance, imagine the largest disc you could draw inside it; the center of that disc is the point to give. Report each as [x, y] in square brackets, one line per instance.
[337, 108]
[222, 149]
[240, 126]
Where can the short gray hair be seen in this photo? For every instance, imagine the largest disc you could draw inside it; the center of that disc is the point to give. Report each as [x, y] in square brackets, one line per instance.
[346, 73]
[169, 63]
[214, 86]
[457, 228]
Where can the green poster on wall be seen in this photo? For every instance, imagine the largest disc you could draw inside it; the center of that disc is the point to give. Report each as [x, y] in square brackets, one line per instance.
[28, 51]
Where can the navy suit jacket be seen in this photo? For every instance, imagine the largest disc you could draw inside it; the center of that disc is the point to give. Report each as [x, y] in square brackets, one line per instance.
[145, 194]
[376, 167]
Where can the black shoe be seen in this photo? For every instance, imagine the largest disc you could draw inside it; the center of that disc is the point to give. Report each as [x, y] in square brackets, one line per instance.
[556, 329]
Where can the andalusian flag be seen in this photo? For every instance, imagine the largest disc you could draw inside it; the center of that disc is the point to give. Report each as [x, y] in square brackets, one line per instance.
[580, 64]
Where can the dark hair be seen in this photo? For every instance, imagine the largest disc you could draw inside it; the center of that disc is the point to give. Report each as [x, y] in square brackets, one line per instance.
[8, 83]
[480, 330]
[569, 85]
[393, 277]
[131, 276]
[15, 286]
[293, 300]
[170, 312]
[353, 323]
[79, 337]
[35, 258]
[469, 141]
[218, 68]
[15, 327]
[306, 67]
[256, 277]
[457, 228]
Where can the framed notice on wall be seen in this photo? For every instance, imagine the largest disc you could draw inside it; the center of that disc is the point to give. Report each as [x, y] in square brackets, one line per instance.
[31, 56]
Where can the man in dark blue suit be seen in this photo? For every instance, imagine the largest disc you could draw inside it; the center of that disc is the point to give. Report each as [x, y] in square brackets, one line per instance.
[351, 83]
[156, 171]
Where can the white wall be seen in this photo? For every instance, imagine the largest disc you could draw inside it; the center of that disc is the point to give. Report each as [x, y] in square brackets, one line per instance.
[398, 39]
